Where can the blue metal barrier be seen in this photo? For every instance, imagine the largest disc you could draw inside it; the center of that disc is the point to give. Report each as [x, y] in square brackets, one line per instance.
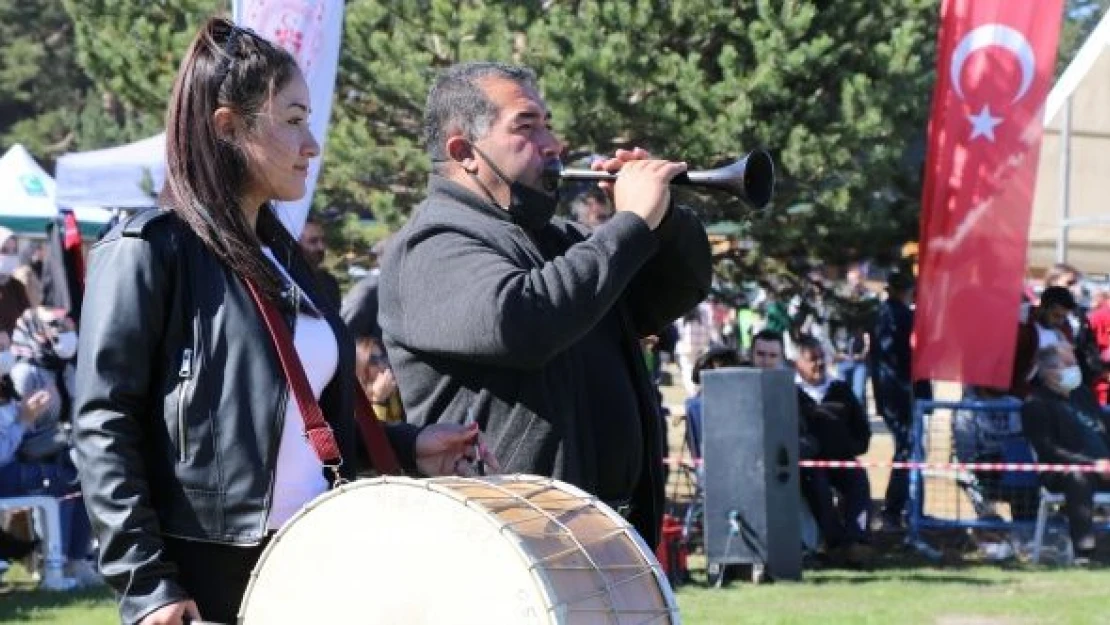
[918, 520]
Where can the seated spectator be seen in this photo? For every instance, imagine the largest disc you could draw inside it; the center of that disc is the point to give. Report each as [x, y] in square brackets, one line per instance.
[713, 358]
[1046, 326]
[1065, 425]
[768, 349]
[44, 344]
[833, 426]
[375, 376]
[24, 473]
[989, 436]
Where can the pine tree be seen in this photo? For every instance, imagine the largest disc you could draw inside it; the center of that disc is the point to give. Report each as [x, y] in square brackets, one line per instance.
[1080, 18]
[839, 93]
[132, 48]
[391, 52]
[42, 89]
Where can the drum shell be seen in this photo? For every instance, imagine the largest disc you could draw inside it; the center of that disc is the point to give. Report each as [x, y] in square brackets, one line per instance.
[506, 549]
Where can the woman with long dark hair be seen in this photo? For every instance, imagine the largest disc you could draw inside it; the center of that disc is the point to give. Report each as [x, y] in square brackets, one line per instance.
[190, 436]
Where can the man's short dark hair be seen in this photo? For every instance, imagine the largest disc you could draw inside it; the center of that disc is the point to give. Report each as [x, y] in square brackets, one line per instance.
[456, 102]
[769, 336]
[809, 343]
[1057, 296]
[580, 205]
[713, 358]
[1058, 271]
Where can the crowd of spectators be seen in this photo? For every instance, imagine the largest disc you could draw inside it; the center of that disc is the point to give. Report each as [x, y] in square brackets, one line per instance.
[1053, 411]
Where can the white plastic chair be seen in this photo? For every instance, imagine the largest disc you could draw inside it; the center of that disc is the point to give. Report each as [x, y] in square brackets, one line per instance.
[53, 577]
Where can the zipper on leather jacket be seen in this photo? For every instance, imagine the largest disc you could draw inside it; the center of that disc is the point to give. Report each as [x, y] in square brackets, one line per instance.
[186, 374]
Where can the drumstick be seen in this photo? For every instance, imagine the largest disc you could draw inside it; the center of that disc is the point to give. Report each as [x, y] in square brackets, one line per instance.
[479, 464]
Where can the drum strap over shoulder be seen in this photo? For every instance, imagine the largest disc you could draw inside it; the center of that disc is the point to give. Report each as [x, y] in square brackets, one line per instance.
[319, 434]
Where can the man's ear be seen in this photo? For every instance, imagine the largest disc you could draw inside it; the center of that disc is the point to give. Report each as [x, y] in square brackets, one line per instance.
[226, 123]
[460, 151]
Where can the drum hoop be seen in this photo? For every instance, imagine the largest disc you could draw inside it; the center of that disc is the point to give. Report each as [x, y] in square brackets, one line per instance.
[441, 486]
[656, 568]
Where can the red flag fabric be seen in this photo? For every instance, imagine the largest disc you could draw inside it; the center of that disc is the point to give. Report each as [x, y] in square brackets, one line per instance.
[72, 243]
[994, 68]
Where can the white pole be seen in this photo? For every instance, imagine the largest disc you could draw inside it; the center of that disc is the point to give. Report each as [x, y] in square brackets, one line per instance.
[1065, 184]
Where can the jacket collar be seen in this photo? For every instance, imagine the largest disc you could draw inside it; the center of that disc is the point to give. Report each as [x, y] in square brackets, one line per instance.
[272, 233]
[441, 187]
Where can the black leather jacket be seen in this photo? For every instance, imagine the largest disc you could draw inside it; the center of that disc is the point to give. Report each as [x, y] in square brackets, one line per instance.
[180, 401]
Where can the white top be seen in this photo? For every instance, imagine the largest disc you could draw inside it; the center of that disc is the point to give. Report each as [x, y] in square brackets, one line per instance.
[299, 476]
[816, 392]
[1047, 337]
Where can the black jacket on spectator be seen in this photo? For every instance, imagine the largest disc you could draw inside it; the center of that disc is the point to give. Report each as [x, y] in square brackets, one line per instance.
[327, 287]
[1066, 430]
[835, 429]
[360, 308]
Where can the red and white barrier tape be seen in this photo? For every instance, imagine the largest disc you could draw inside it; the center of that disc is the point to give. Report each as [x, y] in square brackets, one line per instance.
[950, 466]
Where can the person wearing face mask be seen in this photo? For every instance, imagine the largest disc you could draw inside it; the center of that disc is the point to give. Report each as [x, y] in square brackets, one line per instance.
[492, 306]
[13, 295]
[1065, 425]
[28, 468]
[44, 345]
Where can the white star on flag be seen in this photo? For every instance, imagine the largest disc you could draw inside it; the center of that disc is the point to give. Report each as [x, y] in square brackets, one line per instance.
[983, 124]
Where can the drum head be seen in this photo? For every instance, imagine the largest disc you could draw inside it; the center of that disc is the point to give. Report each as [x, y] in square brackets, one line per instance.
[397, 550]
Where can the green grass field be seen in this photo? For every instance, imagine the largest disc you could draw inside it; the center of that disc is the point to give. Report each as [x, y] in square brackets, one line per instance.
[981, 595]
[901, 591]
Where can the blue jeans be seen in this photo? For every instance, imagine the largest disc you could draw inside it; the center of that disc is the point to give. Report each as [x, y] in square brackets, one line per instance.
[55, 479]
[855, 374]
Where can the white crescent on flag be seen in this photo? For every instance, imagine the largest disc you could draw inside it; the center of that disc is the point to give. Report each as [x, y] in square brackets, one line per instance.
[994, 35]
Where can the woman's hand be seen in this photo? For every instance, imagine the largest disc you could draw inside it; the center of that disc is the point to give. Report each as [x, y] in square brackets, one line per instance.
[172, 614]
[33, 407]
[453, 449]
[383, 386]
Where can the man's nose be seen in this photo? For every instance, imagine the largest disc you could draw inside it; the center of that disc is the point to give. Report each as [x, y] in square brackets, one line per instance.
[553, 147]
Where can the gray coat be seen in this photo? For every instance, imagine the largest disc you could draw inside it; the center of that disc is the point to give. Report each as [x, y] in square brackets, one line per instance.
[479, 314]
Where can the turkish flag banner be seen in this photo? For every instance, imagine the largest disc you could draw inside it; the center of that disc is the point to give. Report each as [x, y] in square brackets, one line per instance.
[994, 68]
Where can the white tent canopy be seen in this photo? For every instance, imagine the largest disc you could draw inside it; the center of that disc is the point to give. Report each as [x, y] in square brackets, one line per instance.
[1070, 219]
[27, 196]
[27, 189]
[126, 176]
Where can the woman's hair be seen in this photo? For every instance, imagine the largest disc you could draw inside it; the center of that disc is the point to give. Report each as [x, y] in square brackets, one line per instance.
[225, 66]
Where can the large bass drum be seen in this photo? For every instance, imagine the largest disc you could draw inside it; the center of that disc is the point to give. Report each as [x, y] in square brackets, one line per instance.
[505, 549]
